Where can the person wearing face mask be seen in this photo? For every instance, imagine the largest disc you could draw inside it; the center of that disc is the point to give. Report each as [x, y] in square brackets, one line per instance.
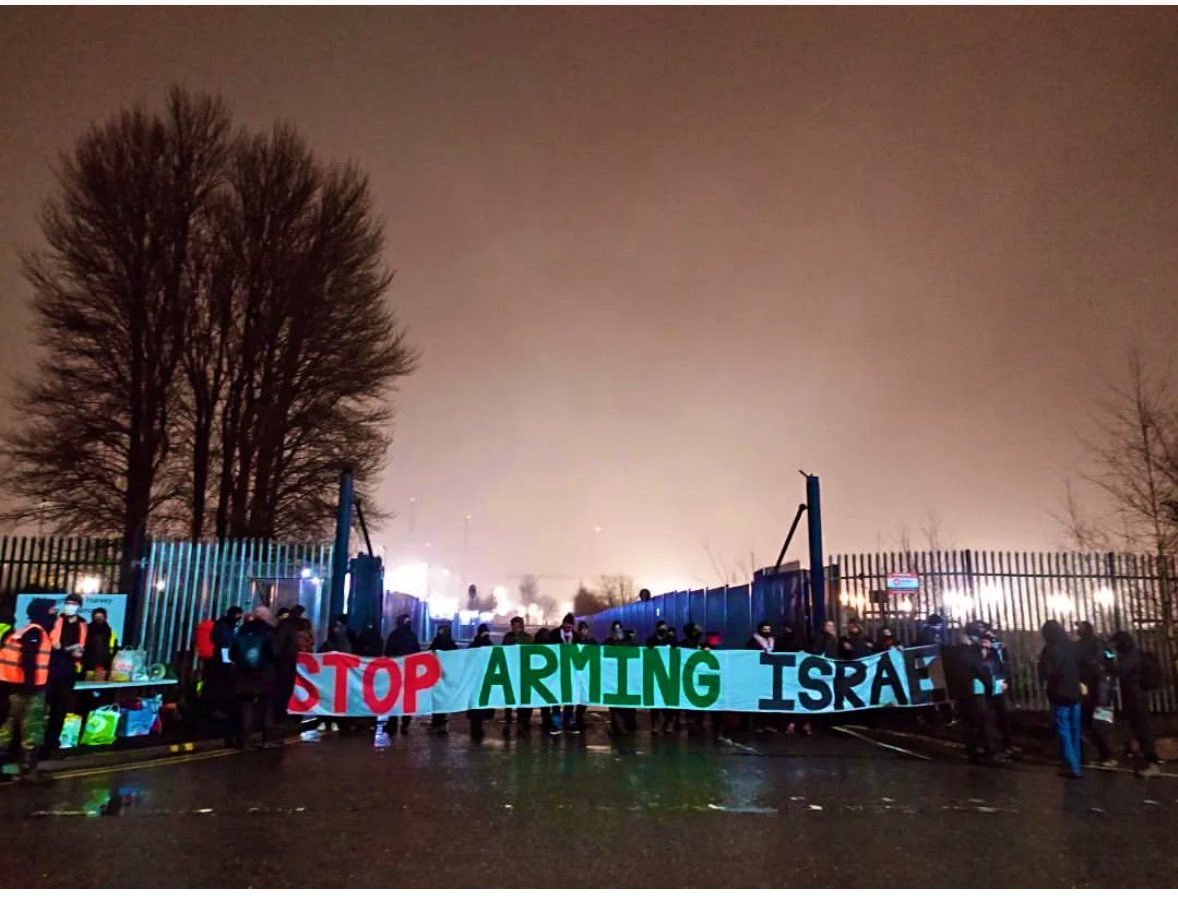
[24, 668]
[668, 717]
[443, 641]
[101, 644]
[622, 720]
[827, 642]
[477, 717]
[68, 639]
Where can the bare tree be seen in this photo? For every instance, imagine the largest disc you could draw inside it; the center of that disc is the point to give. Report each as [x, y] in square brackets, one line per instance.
[1135, 459]
[97, 425]
[586, 602]
[1081, 530]
[616, 590]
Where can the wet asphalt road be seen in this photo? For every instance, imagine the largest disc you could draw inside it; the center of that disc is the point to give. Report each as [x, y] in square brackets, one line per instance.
[823, 811]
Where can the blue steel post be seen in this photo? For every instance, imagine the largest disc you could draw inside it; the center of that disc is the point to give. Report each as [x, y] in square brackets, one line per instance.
[343, 527]
[817, 570]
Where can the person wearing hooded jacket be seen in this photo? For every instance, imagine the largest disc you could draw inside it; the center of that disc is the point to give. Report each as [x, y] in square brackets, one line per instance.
[402, 641]
[255, 683]
[443, 642]
[669, 717]
[1059, 670]
[1134, 700]
[562, 718]
[24, 668]
[477, 717]
[622, 720]
[1090, 655]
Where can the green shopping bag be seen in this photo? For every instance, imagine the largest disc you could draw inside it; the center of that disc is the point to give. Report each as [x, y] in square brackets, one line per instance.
[102, 726]
[71, 730]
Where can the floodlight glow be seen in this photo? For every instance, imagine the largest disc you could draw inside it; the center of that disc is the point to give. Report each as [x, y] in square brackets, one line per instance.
[408, 578]
[306, 572]
[443, 607]
[88, 584]
[958, 601]
[160, 585]
[991, 594]
[1104, 597]
[1060, 604]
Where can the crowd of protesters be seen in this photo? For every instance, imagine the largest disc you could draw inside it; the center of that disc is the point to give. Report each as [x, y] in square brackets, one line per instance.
[248, 663]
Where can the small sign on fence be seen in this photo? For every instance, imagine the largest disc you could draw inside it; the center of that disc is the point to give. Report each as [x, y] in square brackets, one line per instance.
[903, 582]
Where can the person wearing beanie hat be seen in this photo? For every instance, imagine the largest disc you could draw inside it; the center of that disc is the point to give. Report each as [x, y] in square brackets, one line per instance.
[24, 665]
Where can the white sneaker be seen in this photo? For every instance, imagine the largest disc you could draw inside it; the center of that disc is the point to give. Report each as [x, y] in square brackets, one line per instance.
[310, 737]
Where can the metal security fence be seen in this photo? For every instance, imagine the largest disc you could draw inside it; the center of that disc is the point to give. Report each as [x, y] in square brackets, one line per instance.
[59, 564]
[186, 582]
[731, 611]
[1016, 593]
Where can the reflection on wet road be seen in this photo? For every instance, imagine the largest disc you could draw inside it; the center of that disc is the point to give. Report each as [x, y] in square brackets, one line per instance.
[650, 811]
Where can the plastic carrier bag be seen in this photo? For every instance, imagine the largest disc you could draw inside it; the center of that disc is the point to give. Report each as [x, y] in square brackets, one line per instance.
[129, 665]
[71, 730]
[102, 726]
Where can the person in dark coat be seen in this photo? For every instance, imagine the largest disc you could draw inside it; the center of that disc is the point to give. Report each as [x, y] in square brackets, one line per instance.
[286, 657]
[1059, 671]
[563, 718]
[402, 641]
[1090, 654]
[477, 717]
[827, 643]
[1135, 700]
[994, 660]
[668, 717]
[971, 686]
[522, 717]
[932, 632]
[622, 720]
[340, 635]
[101, 643]
[368, 643]
[69, 640]
[443, 642]
[255, 683]
[854, 644]
[542, 637]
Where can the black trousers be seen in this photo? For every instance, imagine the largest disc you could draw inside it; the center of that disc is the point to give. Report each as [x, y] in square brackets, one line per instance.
[250, 708]
[523, 717]
[981, 737]
[1142, 729]
[60, 698]
[1100, 733]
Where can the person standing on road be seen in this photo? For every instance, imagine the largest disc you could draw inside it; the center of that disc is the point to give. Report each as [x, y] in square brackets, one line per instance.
[477, 717]
[542, 637]
[762, 639]
[286, 657]
[402, 641]
[1129, 670]
[669, 718]
[256, 680]
[562, 717]
[69, 642]
[584, 636]
[443, 642]
[1060, 673]
[523, 717]
[24, 669]
[994, 659]
[1090, 655]
[622, 720]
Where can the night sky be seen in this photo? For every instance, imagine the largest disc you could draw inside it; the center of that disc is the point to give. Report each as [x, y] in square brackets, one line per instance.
[658, 260]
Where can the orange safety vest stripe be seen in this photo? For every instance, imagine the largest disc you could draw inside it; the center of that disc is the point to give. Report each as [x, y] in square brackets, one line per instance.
[55, 634]
[11, 670]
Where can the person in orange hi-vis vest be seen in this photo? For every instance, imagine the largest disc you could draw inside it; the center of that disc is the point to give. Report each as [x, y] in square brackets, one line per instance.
[24, 667]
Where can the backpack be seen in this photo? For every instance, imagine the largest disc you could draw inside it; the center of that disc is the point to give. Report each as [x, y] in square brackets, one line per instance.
[251, 648]
[204, 639]
[1151, 671]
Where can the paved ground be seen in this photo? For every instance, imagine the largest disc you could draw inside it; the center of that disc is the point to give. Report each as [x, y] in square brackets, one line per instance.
[830, 810]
